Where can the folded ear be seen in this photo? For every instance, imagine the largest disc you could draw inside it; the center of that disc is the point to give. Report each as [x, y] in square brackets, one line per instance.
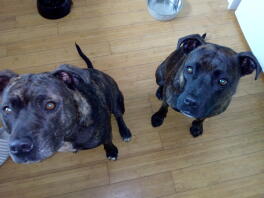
[5, 77]
[69, 78]
[248, 63]
[190, 42]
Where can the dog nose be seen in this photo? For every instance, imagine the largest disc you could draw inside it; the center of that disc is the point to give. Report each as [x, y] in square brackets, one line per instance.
[190, 101]
[21, 146]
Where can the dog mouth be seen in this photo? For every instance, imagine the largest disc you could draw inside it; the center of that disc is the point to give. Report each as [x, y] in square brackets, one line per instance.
[34, 156]
[187, 113]
[23, 159]
[184, 112]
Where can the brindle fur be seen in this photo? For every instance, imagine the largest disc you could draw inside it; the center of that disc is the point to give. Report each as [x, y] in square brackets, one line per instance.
[85, 100]
[209, 62]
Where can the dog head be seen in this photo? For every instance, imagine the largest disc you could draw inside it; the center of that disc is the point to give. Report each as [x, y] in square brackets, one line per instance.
[38, 111]
[207, 77]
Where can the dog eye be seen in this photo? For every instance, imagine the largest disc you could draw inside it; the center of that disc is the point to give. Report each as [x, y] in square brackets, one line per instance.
[50, 106]
[7, 109]
[222, 82]
[189, 70]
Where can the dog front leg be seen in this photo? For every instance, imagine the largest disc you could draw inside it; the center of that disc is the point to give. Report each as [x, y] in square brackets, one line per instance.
[197, 127]
[111, 150]
[159, 93]
[158, 117]
[123, 129]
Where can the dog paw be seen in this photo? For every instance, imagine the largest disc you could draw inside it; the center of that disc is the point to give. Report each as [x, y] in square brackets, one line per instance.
[159, 93]
[196, 130]
[157, 120]
[127, 139]
[112, 153]
[112, 158]
[126, 135]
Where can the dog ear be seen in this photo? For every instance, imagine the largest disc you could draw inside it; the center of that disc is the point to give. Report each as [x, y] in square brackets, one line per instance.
[190, 42]
[248, 63]
[70, 79]
[5, 77]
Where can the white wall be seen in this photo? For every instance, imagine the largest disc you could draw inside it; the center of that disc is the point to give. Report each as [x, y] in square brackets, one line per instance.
[250, 16]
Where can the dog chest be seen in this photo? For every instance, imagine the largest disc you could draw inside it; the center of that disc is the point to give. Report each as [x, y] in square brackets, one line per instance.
[67, 147]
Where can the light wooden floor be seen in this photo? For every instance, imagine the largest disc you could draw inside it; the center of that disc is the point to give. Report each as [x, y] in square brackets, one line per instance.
[125, 42]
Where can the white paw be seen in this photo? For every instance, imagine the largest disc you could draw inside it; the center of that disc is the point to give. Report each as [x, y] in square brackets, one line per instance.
[127, 139]
[112, 158]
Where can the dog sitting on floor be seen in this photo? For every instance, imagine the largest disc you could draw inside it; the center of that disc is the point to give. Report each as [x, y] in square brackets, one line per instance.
[199, 79]
[68, 109]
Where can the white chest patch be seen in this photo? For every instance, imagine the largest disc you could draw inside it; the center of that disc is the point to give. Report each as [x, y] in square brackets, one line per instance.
[67, 147]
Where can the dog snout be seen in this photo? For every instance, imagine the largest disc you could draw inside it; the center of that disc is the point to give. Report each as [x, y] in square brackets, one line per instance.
[190, 101]
[21, 146]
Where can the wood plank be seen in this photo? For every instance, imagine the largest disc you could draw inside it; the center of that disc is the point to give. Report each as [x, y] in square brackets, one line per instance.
[3, 52]
[25, 33]
[218, 172]
[55, 56]
[148, 187]
[167, 160]
[57, 183]
[17, 7]
[81, 10]
[58, 163]
[133, 58]
[110, 34]
[91, 47]
[7, 22]
[103, 22]
[245, 187]
[140, 43]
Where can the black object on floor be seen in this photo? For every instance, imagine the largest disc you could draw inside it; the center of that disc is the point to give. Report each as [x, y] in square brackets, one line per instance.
[54, 9]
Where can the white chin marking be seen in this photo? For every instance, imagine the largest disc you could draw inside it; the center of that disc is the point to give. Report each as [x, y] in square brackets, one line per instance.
[187, 114]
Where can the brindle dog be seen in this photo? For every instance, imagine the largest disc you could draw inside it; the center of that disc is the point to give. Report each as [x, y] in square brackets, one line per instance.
[69, 108]
[199, 79]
